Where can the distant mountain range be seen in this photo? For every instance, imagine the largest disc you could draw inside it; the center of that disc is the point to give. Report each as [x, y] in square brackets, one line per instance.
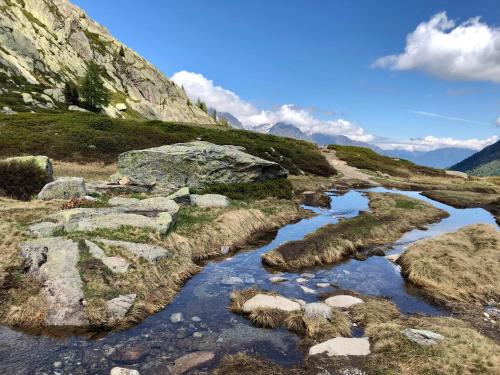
[232, 120]
[483, 163]
[439, 158]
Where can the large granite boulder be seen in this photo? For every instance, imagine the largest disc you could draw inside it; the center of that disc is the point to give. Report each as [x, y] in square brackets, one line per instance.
[64, 188]
[195, 165]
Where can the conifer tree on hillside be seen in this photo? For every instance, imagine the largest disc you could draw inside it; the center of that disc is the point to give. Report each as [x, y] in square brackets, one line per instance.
[93, 93]
[71, 94]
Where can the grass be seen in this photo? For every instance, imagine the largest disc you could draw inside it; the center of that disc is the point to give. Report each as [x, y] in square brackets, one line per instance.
[89, 171]
[278, 188]
[88, 138]
[460, 267]
[391, 216]
[364, 158]
[21, 179]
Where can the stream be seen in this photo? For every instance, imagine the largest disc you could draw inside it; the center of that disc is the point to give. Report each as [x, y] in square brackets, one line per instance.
[203, 301]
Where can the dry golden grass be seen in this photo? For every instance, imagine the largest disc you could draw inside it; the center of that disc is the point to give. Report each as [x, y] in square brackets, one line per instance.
[463, 351]
[462, 266]
[245, 365]
[373, 311]
[19, 300]
[89, 171]
[391, 216]
[268, 318]
[239, 297]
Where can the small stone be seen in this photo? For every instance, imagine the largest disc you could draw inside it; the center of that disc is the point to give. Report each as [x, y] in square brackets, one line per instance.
[57, 364]
[198, 335]
[264, 301]
[123, 371]
[176, 318]
[196, 319]
[343, 301]
[191, 361]
[121, 107]
[486, 314]
[308, 275]
[307, 290]
[342, 346]
[423, 337]
[224, 250]
[277, 279]
[323, 285]
[118, 307]
[129, 355]
[301, 280]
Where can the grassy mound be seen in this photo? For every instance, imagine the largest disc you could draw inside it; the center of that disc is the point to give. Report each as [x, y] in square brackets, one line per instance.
[21, 180]
[278, 188]
[85, 137]
[364, 158]
[391, 216]
[459, 267]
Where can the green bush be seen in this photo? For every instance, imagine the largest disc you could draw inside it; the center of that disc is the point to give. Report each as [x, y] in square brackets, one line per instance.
[279, 188]
[87, 137]
[21, 180]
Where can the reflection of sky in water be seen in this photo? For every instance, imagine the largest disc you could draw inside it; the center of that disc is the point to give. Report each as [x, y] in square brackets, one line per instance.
[206, 295]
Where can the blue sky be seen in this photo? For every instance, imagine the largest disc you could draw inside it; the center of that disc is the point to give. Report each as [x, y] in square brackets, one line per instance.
[319, 58]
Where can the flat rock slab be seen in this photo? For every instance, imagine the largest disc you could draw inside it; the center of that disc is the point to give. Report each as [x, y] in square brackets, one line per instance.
[191, 361]
[118, 307]
[115, 264]
[122, 201]
[53, 261]
[317, 309]
[64, 188]
[123, 371]
[209, 200]
[342, 346]
[151, 253]
[45, 229]
[193, 164]
[149, 205]
[422, 336]
[264, 301]
[343, 301]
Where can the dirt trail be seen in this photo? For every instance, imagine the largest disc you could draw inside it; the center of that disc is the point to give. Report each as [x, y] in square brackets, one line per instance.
[350, 173]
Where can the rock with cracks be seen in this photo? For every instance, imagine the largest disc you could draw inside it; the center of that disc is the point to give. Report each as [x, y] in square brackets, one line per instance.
[118, 307]
[423, 337]
[53, 262]
[195, 165]
[342, 346]
[151, 253]
[64, 188]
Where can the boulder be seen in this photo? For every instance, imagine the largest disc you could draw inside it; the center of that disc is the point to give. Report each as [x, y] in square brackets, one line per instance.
[317, 309]
[53, 262]
[27, 98]
[151, 253]
[118, 307]
[209, 200]
[176, 318]
[342, 346]
[76, 108]
[181, 196]
[64, 188]
[41, 161]
[123, 371]
[264, 301]
[191, 361]
[44, 229]
[195, 165]
[343, 301]
[121, 107]
[423, 337]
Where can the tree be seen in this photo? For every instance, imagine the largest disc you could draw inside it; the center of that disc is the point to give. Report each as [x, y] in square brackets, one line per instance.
[71, 95]
[202, 105]
[214, 115]
[93, 93]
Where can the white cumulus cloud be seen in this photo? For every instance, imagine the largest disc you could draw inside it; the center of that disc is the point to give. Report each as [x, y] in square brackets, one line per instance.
[223, 100]
[440, 47]
[430, 143]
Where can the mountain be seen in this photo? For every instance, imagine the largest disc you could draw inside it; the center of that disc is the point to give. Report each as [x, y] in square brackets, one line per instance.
[44, 43]
[483, 163]
[232, 120]
[439, 158]
[288, 130]
[342, 140]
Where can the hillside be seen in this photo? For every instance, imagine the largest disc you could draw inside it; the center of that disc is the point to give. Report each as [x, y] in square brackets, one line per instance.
[483, 163]
[439, 158]
[45, 43]
[86, 137]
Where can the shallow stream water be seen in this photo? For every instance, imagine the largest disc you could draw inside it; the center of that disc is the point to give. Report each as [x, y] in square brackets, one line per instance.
[157, 341]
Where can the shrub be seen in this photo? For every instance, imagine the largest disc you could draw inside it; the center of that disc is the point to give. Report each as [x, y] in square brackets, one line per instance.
[21, 180]
[279, 188]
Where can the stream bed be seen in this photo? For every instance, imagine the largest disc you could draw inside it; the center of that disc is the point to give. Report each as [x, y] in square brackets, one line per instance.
[207, 324]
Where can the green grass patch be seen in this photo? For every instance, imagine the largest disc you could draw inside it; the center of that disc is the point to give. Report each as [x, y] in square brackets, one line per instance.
[86, 137]
[21, 179]
[364, 158]
[277, 188]
[406, 204]
[189, 217]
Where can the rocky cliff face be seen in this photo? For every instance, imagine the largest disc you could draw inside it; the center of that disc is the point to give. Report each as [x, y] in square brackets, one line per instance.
[44, 43]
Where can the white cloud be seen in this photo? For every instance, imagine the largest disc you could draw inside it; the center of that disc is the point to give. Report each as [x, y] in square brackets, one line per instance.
[440, 47]
[498, 121]
[430, 142]
[197, 86]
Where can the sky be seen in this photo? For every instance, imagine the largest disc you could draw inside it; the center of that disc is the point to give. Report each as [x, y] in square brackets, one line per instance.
[413, 75]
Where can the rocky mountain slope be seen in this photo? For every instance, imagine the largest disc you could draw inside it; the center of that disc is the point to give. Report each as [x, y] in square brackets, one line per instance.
[483, 163]
[44, 43]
